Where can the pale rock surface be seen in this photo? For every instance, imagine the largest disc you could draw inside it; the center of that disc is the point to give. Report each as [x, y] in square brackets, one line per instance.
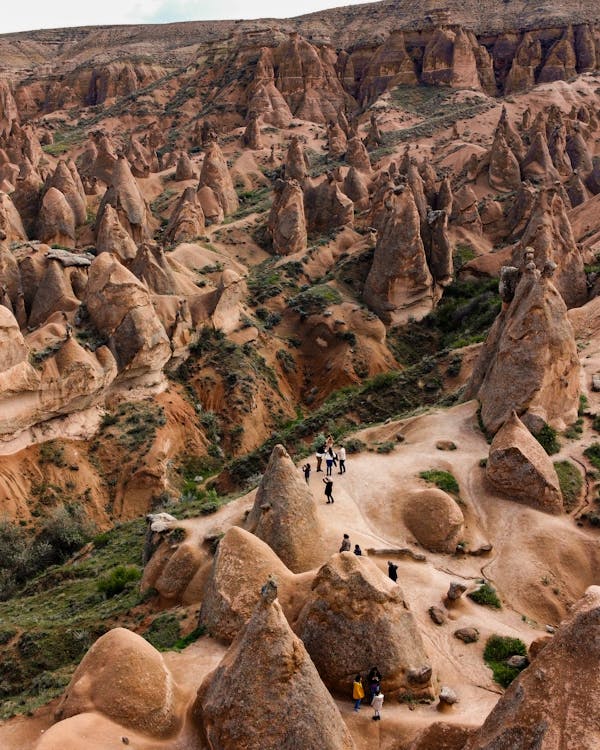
[434, 518]
[215, 175]
[56, 221]
[286, 223]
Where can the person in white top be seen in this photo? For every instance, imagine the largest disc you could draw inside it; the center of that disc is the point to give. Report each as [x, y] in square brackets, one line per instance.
[377, 703]
[341, 454]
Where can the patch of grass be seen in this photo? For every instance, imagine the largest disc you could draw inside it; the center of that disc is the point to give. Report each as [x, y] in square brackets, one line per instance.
[354, 445]
[163, 632]
[547, 437]
[497, 650]
[442, 479]
[583, 405]
[575, 431]
[593, 455]
[118, 579]
[486, 596]
[315, 300]
[190, 638]
[53, 453]
[386, 447]
[570, 481]
[251, 201]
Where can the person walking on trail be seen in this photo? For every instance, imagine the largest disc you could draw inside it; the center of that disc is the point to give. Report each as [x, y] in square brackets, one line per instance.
[393, 571]
[330, 460]
[328, 490]
[319, 456]
[342, 459]
[377, 703]
[306, 470]
[345, 544]
[357, 550]
[358, 692]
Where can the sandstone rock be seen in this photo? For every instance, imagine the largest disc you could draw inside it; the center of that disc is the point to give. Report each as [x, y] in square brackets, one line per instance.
[187, 220]
[143, 160]
[464, 209]
[112, 238]
[251, 137]
[210, 205]
[525, 63]
[439, 248]
[215, 175]
[55, 294]
[125, 196]
[336, 633]
[105, 161]
[560, 63]
[467, 635]
[455, 591]
[336, 140]
[537, 164]
[504, 173]
[593, 179]
[434, 518]
[529, 361]
[284, 514]
[123, 677]
[150, 265]
[326, 207]
[444, 199]
[357, 155]
[295, 161]
[536, 646]
[374, 138]
[286, 223]
[11, 226]
[229, 715]
[437, 615]
[355, 187]
[390, 66]
[399, 280]
[441, 736]
[536, 710]
[231, 292]
[449, 59]
[578, 152]
[120, 308]
[518, 662]
[56, 221]
[520, 468]
[9, 113]
[185, 169]
[242, 563]
[447, 695]
[264, 98]
[550, 234]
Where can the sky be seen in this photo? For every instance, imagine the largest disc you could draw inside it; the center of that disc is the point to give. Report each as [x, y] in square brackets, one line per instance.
[48, 14]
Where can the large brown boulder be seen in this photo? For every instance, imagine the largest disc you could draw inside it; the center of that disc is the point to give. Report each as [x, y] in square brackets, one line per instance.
[434, 518]
[295, 161]
[286, 223]
[520, 468]
[9, 113]
[111, 237]
[11, 226]
[537, 164]
[524, 65]
[187, 220]
[449, 58]
[215, 175]
[356, 617]
[357, 155]
[561, 61]
[266, 694]
[504, 174]
[389, 66]
[326, 207]
[552, 704]
[185, 169]
[284, 514]
[264, 98]
[529, 361]
[241, 565]
[54, 294]
[125, 678]
[399, 281]
[56, 221]
[63, 180]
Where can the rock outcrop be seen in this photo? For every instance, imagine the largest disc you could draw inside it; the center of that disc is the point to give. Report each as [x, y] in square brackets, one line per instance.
[215, 175]
[229, 714]
[520, 468]
[434, 518]
[537, 711]
[56, 221]
[286, 223]
[111, 237]
[187, 220]
[284, 514]
[529, 361]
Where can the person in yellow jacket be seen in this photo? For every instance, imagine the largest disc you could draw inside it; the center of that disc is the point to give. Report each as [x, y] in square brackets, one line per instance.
[358, 692]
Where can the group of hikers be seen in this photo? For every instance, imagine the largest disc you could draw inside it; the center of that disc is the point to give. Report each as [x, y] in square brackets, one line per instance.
[326, 451]
[375, 694]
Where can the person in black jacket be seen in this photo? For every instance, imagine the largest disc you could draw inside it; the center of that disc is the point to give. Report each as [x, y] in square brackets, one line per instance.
[392, 571]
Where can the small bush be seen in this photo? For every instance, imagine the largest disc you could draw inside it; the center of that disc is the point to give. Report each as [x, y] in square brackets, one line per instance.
[596, 423]
[116, 581]
[575, 431]
[314, 300]
[547, 437]
[192, 637]
[497, 650]
[164, 632]
[486, 596]
[442, 479]
[354, 445]
[571, 482]
[593, 455]
[386, 447]
[583, 404]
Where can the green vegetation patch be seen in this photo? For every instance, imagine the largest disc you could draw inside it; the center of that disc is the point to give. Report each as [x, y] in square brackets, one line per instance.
[315, 300]
[570, 481]
[486, 596]
[547, 437]
[118, 579]
[498, 650]
[442, 479]
[593, 455]
[164, 632]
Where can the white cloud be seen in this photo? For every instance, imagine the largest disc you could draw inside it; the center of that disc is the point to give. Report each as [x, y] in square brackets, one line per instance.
[42, 14]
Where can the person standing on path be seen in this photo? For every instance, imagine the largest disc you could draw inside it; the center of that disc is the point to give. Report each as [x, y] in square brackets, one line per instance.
[358, 692]
[319, 456]
[342, 459]
[345, 547]
[328, 489]
[330, 459]
[357, 550]
[393, 571]
[377, 703]
[306, 470]
[374, 680]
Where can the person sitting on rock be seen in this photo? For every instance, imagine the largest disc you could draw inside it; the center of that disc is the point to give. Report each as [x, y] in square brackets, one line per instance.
[393, 571]
[328, 489]
[357, 550]
[358, 692]
[345, 547]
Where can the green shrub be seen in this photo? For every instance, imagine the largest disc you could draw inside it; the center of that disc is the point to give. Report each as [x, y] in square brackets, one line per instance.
[547, 437]
[497, 650]
[596, 423]
[314, 300]
[442, 479]
[575, 431]
[163, 632]
[583, 404]
[116, 581]
[486, 596]
[386, 447]
[192, 637]
[593, 455]
[354, 445]
[571, 482]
